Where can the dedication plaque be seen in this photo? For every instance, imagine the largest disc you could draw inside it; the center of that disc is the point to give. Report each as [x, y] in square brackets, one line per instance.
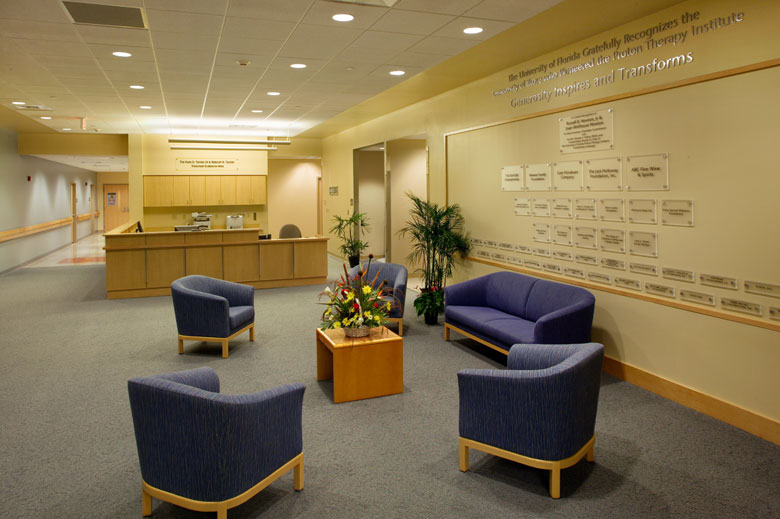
[603, 174]
[677, 212]
[562, 235]
[745, 307]
[506, 246]
[512, 178]
[613, 240]
[477, 241]
[642, 211]
[678, 274]
[567, 176]
[764, 289]
[585, 209]
[718, 281]
[533, 264]
[642, 268]
[647, 173]
[522, 206]
[575, 273]
[611, 210]
[491, 243]
[539, 251]
[523, 248]
[774, 313]
[541, 207]
[590, 131]
[561, 207]
[600, 278]
[611, 263]
[542, 232]
[514, 260]
[659, 290]
[643, 243]
[483, 254]
[585, 237]
[697, 297]
[586, 259]
[633, 284]
[552, 267]
[497, 256]
[537, 177]
[563, 255]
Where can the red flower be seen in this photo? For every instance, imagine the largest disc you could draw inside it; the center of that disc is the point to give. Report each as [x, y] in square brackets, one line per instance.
[356, 306]
[376, 305]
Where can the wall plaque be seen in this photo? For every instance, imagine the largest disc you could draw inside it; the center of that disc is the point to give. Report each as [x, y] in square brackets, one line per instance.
[542, 252]
[585, 209]
[551, 267]
[477, 242]
[563, 255]
[522, 207]
[561, 207]
[598, 277]
[678, 274]
[533, 264]
[603, 174]
[745, 307]
[641, 268]
[718, 281]
[611, 263]
[541, 207]
[512, 178]
[206, 164]
[774, 313]
[506, 246]
[764, 289]
[659, 290]
[537, 177]
[567, 176]
[643, 243]
[642, 211]
[514, 260]
[562, 234]
[647, 173]
[697, 297]
[497, 256]
[523, 248]
[586, 259]
[611, 210]
[483, 254]
[590, 131]
[677, 212]
[575, 273]
[585, 237]
[633, 284]
[542, 232]
[491, 243]
[612, 240]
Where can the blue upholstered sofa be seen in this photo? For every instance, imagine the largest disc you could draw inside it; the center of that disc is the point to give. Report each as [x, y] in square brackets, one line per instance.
[506, 308]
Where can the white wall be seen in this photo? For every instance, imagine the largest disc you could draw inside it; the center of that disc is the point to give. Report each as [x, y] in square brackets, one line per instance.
[371, 198]
[292, 195]
[44, 198]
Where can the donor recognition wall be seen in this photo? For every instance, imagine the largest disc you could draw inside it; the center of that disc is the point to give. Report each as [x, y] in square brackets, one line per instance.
[669, 194]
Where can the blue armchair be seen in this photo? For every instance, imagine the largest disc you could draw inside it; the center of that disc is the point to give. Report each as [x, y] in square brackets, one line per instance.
[209, 309]
[540, 411]
[396, 276]
[209, 452]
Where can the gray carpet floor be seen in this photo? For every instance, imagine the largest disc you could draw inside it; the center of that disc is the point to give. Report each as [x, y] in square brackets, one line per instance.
[68, 448]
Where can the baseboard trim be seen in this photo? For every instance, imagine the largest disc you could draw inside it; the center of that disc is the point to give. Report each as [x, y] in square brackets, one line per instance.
[754, 423]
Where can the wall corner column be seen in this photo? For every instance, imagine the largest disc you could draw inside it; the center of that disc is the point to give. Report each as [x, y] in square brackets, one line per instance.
[135, 177]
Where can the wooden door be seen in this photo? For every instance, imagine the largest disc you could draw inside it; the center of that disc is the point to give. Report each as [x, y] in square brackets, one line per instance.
[197, 190]
[213, 190]
[258, 189]
[228, 185]
[243, 190]
[116, 206]
[181, 190]
[73, 213]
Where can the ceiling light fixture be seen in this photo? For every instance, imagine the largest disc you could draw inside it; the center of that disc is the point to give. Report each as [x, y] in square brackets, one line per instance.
[121, 54]
[257, 111]
[397, 72]
[66, 129]
[218, 147]
[228, 141]
[45, 117]
[17, 102]
[145, 107]
[298, 65]
[472, 30]
[343, 17]
[273, 93]
[137, 87]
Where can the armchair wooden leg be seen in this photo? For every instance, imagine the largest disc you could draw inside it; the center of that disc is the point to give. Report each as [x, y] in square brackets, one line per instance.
[222, 513]
[252, 333]
[590, 456]
[401, 328]
[181, 346]
[146, 504]
[446, 333]
[555, 482]
[298, 476]
[463, 456]
[225, 352]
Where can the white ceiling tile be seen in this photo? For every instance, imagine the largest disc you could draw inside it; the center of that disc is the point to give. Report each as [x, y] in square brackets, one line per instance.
[386, 40]
[490, 28]
[192, 6]
[38, 30]
[254, 28]
[318, 42]
[438, 45]
[53, 48]
[455, 7]
[239, 45]
[359, 54]
[104, 52]
[191, 23]
[419, 59]
[510, 10]
[257, 63]
[411, 22]
[38, 10]
[116, 36]
[145, 78]
[321, 13]
[282, 10]
[184, 41]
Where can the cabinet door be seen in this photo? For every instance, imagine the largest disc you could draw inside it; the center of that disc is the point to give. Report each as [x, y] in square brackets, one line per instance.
[258, 189]
[158, 190]
[243, 190]
[213, 190]
[228, 184]
[181, 190]
[198, 190]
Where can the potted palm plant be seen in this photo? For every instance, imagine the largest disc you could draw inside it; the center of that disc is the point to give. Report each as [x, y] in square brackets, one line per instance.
[437, 235]
[349, 230]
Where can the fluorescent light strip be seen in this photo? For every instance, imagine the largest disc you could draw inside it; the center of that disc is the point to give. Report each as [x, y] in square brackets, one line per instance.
[215, 147]
[227, 141]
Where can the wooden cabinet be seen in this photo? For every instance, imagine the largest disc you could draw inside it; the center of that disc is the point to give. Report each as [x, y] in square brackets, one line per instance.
[158, 190]
[228, 187]
[204, 190]
[258, 189]
[213, 190]
[181, 190]
[198, 190]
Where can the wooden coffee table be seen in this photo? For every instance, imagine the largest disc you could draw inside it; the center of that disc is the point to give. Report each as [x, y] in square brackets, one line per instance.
[361, 368]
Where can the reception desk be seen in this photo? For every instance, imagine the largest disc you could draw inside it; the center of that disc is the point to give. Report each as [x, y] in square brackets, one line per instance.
[144, 264]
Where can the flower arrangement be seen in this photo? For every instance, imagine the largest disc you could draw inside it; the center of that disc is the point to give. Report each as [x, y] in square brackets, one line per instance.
[355, 303]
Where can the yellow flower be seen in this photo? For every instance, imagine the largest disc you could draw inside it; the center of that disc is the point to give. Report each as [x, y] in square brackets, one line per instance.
[367, 315]
[366, 289]
[377, 318]
[388, 306]
[345, 321]
[337, 324]
[350, 296]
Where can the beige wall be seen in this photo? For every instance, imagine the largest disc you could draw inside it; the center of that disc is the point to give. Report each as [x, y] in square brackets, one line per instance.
[730, 361]
[370, 168]
[105, 177]
[292, 194]
[406, 162]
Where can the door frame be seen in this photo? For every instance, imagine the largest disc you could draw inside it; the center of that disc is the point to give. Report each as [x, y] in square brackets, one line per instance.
[73, 213]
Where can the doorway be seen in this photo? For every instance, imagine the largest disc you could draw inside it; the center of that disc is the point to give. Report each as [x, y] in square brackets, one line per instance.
[74, 217]
[116, 206]
[370, 199]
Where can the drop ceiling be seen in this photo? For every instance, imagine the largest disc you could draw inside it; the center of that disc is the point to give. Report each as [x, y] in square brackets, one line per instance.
[187, 60]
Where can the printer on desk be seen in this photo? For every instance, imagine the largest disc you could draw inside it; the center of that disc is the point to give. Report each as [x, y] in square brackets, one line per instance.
[235, 221]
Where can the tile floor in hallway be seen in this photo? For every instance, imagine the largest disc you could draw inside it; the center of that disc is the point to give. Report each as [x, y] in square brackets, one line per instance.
[86, 251]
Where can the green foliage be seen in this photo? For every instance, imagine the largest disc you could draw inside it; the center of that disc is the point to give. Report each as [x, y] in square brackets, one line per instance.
[356, 301]
[431, 300]
[349, 230]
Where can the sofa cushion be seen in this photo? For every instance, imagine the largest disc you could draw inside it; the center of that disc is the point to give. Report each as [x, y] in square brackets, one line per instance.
[509, 292]
[547, 297]
[505, 328]
[240, 316]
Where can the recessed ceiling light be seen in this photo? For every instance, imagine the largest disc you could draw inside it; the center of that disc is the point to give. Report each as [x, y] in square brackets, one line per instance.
[17, 102]
[257, 111]
[273, 93]
[343, 17]
[66, 129]
[397, 72]
[145, 107]
[45, 117]
[298, 65]
[121, 54]
[137, 87]
[472, 30]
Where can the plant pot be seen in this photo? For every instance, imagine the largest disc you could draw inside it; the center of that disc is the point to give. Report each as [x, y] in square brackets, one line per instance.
[353, 260]
[431, 317]
[360, 331]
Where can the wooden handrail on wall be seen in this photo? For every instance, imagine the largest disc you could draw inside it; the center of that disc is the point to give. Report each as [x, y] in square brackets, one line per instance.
[21, 232]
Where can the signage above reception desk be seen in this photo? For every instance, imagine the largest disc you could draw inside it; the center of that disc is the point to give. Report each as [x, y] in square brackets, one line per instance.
[210, 165]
